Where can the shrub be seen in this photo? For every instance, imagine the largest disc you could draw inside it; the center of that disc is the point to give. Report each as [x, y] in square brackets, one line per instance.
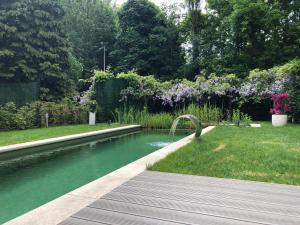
[293, 68]
[281, 104]
[33, 115]
[240, 118]
[7, 116]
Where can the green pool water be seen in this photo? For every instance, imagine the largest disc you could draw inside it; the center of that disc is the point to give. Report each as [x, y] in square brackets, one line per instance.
[36, 178]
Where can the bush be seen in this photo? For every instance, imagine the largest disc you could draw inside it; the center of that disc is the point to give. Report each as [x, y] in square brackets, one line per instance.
[7, 116]
[293, 68]
[33, 115]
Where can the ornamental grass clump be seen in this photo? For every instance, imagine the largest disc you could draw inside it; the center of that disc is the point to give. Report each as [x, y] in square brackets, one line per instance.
[281, 104]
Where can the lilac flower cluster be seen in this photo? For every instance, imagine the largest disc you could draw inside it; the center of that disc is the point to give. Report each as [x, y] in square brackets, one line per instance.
[179, 93]
[257, 87]
[248, 89]
[85, 97]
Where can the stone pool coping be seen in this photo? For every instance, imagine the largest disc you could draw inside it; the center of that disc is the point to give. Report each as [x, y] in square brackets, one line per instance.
[63, 207]
[82, 136]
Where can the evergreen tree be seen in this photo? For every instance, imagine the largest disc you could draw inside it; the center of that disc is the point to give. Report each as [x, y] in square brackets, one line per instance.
[148, 41]
[89, 24]
[33, 46]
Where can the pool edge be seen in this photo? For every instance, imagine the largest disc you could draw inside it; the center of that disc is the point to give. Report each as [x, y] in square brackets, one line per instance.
[63, 207]
[68, 138]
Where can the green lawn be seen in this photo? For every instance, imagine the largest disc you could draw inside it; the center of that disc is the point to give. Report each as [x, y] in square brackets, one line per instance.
[262, 154]
[15, 137]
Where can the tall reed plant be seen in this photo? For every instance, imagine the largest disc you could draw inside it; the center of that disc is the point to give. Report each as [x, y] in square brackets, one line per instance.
[206, 114]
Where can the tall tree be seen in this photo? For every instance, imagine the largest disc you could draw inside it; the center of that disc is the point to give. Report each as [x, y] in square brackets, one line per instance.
[90, 24]
[195, 22]
[148, 42]
[33, 45]
[236, 36]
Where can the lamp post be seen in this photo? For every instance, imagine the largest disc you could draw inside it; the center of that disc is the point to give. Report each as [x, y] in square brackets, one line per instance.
[104, 55]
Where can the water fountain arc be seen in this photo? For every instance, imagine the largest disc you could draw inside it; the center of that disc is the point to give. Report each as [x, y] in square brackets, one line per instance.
[196, 122]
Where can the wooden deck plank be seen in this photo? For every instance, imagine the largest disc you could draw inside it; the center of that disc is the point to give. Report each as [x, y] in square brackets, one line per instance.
[254, 187]
[162, 214]
[117, 218]
[162, 198]
[76, 221]
[234, 203]
[225, 181]
[218, 192]
[213, 210]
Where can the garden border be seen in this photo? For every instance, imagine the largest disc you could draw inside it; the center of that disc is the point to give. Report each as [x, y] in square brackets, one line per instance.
[70, 138]
[63, 207]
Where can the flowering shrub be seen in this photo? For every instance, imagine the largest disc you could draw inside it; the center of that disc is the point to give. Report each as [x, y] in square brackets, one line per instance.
[226, 90]
[264, 83]
[179, 93]
[139, 87]
[217, 86]
[281, 104]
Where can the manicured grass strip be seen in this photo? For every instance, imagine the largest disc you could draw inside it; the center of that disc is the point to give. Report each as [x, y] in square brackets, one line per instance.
[262, 154]
[15, 137]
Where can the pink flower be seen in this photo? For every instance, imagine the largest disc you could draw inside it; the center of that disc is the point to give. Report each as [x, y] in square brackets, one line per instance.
[281, 103]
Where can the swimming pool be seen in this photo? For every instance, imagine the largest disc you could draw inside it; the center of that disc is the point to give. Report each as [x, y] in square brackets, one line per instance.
[30, 180]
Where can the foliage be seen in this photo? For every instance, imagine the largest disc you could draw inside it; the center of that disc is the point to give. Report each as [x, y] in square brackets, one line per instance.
[179, 93]
[139, 87]
[93, 106]
[293, 68]
[88, 98]
[281, 104]
[239, 118]
[88, 24]
[13, 118]
[163, 120]
[264, 154]
[100, 76]
[33, 115]
[132, 116]
[236, 36]
[33, 45]
[263, 83]
[75, 69]
[206, 114]
[148, 42]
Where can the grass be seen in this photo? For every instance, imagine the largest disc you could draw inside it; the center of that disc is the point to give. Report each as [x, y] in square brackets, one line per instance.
[262, 154]
[21, 136]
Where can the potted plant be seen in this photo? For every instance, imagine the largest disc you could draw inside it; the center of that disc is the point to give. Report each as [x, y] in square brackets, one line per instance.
[92, 115]
[280, 110]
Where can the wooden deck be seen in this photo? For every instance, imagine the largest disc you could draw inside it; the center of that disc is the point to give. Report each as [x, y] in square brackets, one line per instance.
[154, 198]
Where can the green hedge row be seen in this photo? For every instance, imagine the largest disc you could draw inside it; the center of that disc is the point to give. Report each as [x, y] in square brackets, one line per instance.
[33, 115]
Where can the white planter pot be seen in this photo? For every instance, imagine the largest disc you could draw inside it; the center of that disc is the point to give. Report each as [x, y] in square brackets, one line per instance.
[279, 120]
[92, 118]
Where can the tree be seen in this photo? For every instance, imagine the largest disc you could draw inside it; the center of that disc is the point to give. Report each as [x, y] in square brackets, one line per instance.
[236, 36]
[33, 46]
[193, 25]
[148, 41]
[89, 24]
